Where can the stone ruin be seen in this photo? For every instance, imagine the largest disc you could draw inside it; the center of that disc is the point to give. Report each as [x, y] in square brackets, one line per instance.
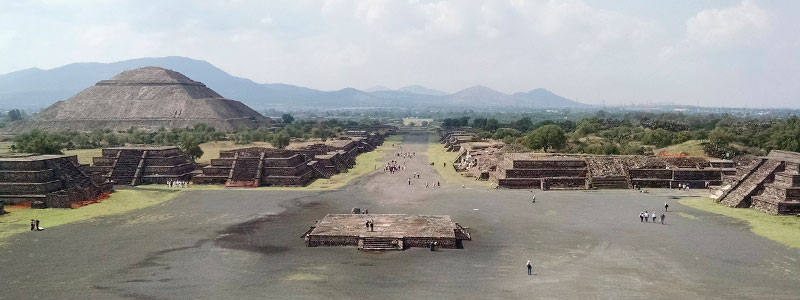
[296, 166]
[770, 184]
[48, 181]
[479, 159]
[143, 165]
[453, 139]
[391, 232]
[148, 98]
[563, 171]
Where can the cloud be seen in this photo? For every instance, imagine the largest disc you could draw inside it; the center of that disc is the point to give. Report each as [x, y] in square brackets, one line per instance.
[713, 27]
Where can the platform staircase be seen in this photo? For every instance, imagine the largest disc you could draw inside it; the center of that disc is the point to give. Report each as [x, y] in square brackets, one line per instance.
[739, 195]
[378, 244]
[125, 167]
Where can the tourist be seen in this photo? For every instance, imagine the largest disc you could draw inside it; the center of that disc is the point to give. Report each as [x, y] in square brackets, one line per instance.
[33, 224]
[662, 218]
[641, 217]
[409, 181]
[366, 211]
[367, 224]
[646, 216]
[666, 206]
[654, 218]
[426, 184]
[438, 184]
[530, 267]
[533, 198]
[38, 228]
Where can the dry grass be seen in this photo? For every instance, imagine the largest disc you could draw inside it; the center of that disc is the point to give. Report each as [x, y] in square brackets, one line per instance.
[782, 229]
[212, 149]
[18, 219]
[691, 148]
[5, 147]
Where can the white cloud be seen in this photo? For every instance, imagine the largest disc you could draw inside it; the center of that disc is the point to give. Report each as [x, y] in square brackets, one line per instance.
[713, 27]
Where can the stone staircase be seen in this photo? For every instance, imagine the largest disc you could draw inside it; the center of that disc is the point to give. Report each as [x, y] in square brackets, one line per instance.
[322, 171]
[378, 244]
[125, 167]
[610, 182]
[739, 195]
[245, 171]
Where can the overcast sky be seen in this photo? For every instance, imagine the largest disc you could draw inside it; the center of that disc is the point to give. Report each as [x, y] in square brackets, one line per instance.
[720, 53]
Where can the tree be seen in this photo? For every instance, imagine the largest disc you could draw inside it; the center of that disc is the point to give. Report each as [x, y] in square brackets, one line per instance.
[492, 125]
[190, 145]
[424, 124]
[546, 137]
[281, 140]
[287, 118]
[14, 115]
[39, 142]
[721, 135]
[412, 124]
[658, 137]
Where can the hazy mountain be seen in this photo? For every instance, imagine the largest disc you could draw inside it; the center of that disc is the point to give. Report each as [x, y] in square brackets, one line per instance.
[421, 90]
[36, 88]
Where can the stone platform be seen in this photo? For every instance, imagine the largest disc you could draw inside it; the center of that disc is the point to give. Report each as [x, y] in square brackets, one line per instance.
[391, 231]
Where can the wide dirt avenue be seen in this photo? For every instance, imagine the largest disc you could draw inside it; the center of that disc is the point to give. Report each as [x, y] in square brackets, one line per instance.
[245, 244]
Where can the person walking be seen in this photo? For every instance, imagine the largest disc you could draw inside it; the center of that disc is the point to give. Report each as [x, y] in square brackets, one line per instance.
[662, 218]
[533, 199]
[646, 216]
[654, 218]
[530, 267]
[37, 226]
[666, 206]
[641, 216]
[409, 181]
[33, 224]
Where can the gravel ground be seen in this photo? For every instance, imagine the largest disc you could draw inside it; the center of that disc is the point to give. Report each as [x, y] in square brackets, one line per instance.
[243, 244]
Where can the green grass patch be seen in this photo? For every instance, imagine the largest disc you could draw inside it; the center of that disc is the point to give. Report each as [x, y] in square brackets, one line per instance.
[437, 154]
[85, 155]
[782, 229]
[121, 201]
[365, 163]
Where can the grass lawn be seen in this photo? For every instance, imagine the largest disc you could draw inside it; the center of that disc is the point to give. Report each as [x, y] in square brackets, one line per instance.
[18, 219]
[5, 147]
[365, 164]
[691, 148]
[85, 155]
[782, 229]
[437, 154]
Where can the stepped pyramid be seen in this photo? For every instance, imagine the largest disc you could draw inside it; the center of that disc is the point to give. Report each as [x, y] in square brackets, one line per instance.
[148, 98]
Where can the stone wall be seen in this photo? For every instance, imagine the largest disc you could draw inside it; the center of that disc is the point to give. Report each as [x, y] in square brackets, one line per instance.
[317, 240]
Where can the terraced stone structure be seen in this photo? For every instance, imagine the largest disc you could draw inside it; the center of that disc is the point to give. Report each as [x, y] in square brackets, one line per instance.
[390, 232]
[255, 166]
[540, 170]
[296, 166]
[143, 165]
[48, 181]
[770, 184]
[147, 98]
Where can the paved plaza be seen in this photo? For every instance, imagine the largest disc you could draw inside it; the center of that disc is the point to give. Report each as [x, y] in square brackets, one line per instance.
[246, 244]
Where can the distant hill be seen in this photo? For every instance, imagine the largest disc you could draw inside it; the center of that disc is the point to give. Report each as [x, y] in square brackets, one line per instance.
[36, 89]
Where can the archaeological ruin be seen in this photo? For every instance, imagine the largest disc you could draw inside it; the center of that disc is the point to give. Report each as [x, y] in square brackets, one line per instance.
[142, 165]
[770, 184]
[147, 98]
[389, 231]
[48, 181]
[297, 165]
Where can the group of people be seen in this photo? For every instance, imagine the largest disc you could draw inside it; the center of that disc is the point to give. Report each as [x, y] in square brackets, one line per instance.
[371, 224]
[683, 187]
[35, 225]
[393, 166]
[645, 216]
[177, 184]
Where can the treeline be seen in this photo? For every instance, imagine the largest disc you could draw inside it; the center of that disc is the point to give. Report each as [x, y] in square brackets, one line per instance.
[300, 130]
[639, 133]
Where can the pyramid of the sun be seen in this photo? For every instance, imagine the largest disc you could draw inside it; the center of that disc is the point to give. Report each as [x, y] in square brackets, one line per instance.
[148, 98]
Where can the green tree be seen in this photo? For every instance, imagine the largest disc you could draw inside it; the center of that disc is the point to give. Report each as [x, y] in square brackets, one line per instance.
[190, 145]
[657, 137]
[546, 137]
[287, 118]
[14, 115]
[281, 140]
[39, 142]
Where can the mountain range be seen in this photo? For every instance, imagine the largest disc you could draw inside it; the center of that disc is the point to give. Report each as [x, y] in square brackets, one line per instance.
[36, 88]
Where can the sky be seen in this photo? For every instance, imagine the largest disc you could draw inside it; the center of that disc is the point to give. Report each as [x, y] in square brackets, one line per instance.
[742, 53]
